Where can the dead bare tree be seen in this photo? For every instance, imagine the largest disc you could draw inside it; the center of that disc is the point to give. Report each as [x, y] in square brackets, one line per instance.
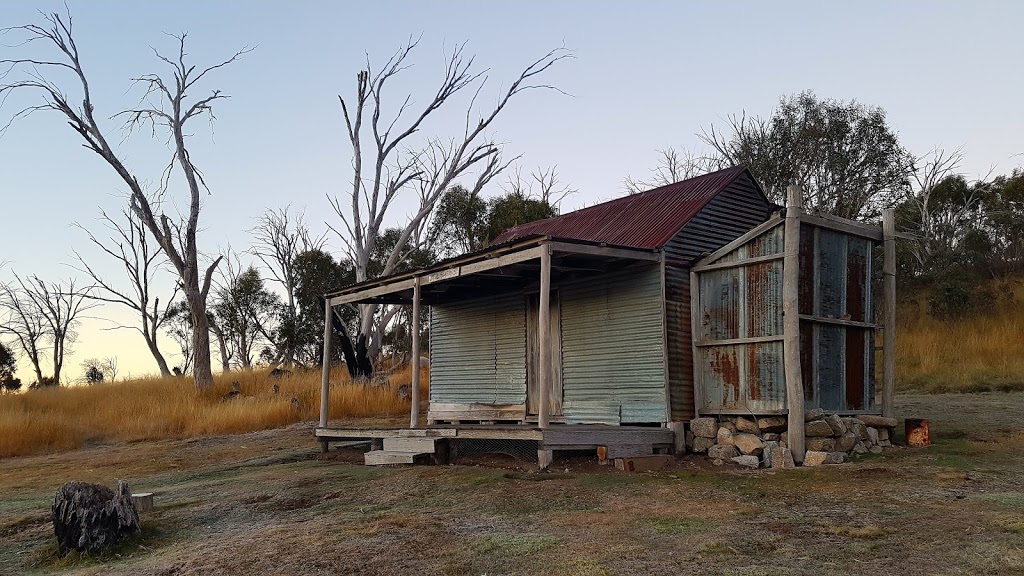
[279, 239]
[933, 168]
[392, 165]
[542, 184]
[21, 320]
[43, 315]
[172, 112]
[128, 245]
[673, 166]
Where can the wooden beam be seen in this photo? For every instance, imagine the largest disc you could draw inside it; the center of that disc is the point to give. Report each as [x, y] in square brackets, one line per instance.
[414, 416]
[607, 251]
[483, 265]
[889, 289]
[791, 324]
[839, 322]
[738, 263]
[388, 288]
[732, 341]
[325, 383]
[773, 221]
[544, 337]
[843, 225]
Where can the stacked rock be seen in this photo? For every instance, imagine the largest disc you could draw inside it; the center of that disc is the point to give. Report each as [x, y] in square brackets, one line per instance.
[755, 442]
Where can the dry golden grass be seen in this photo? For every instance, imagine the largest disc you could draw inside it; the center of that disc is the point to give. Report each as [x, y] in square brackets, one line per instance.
[973, 355]
[58, 419]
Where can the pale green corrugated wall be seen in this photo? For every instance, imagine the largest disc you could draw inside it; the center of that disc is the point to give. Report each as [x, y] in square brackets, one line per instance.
[478, 351]
[613, 364]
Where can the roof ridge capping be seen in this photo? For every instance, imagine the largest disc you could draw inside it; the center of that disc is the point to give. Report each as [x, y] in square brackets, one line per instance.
[646, 220]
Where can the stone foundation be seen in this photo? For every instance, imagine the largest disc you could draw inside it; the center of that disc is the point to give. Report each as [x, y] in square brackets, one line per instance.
[761, 442]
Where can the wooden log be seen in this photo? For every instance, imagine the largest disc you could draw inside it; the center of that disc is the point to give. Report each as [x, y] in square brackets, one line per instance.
[414, 416]
[544, 338]
[889, 288]
[325, 383]
[791, 324]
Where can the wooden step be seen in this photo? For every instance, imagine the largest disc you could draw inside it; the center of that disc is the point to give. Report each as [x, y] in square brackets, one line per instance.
[418, 445]
[382, 457]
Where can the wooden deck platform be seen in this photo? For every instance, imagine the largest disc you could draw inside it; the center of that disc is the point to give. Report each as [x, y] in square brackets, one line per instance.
[608, 441]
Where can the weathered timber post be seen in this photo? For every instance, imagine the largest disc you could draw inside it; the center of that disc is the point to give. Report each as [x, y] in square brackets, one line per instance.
[889, 326]
[544, 456]
[325, 385]
[544, 337]
[414, 415]
[791, 323]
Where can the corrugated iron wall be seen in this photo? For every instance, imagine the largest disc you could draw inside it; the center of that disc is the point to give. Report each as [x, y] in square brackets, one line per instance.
[742, 302]
[737, 209]
[836, 329]
[478, 351]
[613, 364]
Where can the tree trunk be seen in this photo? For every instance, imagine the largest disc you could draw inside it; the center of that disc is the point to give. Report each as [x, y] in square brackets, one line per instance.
[155, 351]
[201, 369]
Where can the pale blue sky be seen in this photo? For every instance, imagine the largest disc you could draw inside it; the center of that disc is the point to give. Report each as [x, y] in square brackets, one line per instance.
[645, 76]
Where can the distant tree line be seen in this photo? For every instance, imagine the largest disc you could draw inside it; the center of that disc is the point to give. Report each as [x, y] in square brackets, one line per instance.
[850, 163]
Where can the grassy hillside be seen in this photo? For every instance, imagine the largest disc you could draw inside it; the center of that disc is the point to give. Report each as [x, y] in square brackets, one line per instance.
[59, 419]
[983, 353]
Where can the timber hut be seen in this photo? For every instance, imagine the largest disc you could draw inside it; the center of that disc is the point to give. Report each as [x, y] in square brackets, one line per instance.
[613, 326]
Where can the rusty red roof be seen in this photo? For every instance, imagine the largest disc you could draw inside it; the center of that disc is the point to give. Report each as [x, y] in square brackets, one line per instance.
[646, 220]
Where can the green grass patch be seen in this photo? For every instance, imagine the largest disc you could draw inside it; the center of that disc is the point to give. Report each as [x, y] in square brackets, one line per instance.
[684, 525]
[514, 544]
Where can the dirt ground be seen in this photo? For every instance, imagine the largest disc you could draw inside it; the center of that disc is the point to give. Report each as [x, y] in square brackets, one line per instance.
[269, 503]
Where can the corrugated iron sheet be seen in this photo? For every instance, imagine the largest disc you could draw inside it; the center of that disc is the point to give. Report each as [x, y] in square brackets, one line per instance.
[613, 367]
[646, 220]
[478, 351]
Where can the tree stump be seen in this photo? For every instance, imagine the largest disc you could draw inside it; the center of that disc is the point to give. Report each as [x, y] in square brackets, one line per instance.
[90, 518]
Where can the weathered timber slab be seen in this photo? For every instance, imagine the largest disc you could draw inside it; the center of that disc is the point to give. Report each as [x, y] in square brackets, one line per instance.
[420, 445]
[384, 457]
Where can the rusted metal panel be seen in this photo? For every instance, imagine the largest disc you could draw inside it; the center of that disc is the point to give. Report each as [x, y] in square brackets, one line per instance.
[830, 366]
[764, 299]
[830, 274]
[720, 305]
[856, 364]
[645, 220]
[478, 351]
[612, 342]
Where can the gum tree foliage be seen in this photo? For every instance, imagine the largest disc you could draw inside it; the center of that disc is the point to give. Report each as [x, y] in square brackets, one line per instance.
[8, 365]
[464, 221]
[167, 107]
[316, 274]
[844, 154]
[245, 315]
[391, 165]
